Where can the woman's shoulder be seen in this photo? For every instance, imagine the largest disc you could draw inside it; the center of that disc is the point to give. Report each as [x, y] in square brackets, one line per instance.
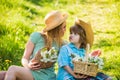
[36, 34]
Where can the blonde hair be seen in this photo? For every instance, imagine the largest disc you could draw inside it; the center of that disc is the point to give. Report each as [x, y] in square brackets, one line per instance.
[53, 35]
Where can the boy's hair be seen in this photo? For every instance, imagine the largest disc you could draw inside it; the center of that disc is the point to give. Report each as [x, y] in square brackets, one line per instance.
[79, 30]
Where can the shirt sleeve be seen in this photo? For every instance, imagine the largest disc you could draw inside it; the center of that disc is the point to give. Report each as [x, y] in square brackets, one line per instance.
[64, 42]
[34, 37]
[63, 58]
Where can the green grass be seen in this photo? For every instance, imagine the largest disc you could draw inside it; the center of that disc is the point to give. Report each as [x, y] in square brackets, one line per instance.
[19, 18]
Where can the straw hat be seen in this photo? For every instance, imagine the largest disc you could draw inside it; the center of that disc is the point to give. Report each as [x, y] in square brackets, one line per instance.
[54, 19]
[88, 29]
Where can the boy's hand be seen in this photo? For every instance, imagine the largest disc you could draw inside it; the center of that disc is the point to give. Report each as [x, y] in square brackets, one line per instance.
[78, 76]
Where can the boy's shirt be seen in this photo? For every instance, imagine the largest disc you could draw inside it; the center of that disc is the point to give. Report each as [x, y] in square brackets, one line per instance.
[65, 59]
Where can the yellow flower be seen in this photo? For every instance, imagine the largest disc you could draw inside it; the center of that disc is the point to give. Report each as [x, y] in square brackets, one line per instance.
[8, 61]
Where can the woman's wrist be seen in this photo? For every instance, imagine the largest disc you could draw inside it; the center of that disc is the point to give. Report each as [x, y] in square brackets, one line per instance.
[25, 63]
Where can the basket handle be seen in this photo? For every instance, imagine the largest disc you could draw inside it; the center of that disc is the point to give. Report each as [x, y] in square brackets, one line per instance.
[87, 52]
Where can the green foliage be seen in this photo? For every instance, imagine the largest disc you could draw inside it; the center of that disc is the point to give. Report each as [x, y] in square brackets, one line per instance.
[19, 18]
[14, 31]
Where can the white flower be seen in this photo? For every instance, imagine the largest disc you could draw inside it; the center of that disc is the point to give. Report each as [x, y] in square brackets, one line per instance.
[49, 55]
[96, 60]
[91, 59]
[75, 57]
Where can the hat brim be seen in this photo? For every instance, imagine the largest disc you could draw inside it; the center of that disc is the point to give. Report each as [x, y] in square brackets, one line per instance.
[88, 29]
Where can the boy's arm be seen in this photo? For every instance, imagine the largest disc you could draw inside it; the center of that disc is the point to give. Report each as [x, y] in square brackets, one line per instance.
[77, 76]
[69, 70]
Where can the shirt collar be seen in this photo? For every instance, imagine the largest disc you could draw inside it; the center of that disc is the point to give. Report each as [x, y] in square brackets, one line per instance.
[81, 50]
[73, 46]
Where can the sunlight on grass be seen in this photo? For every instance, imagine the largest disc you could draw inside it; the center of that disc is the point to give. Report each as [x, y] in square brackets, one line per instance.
[19, 18]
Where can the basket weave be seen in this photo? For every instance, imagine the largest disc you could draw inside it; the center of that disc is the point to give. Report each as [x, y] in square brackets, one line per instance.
[85, 68]
[43, 65]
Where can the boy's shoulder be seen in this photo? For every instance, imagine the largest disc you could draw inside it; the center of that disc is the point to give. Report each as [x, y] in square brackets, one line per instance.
[66, 45]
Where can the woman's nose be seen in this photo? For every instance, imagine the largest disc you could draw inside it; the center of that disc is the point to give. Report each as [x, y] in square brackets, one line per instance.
[64, 28]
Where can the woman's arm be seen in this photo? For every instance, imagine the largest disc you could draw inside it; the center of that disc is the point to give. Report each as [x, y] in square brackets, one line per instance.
[27, 53]
[26, 62]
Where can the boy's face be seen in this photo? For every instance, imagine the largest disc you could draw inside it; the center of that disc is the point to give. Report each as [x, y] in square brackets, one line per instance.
[74, 38]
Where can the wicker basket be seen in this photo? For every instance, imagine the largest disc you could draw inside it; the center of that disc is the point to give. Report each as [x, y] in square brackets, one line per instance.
[85, 68]
[42, 64]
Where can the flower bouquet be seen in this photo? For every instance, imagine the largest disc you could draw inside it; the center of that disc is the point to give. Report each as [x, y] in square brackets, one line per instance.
[46, 57]
[88, 65]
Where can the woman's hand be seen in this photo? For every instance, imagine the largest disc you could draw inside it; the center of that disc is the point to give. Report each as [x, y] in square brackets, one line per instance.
[34, 65]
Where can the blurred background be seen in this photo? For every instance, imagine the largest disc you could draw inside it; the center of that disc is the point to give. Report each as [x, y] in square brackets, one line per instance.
[19, 18]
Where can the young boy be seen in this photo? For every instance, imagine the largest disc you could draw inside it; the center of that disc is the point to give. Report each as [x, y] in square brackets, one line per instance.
[80, 34]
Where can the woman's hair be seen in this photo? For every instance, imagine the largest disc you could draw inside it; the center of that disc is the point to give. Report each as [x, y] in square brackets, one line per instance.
[79, 30]
[54, 35]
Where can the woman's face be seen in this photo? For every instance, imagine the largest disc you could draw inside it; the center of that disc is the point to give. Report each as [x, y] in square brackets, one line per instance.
[63, 28]
[74, 38]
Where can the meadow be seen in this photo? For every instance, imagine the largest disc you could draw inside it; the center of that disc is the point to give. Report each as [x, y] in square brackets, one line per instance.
[19, 18]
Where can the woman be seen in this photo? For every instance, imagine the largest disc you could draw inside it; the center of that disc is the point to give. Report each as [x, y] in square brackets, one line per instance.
[2, 75]
[51, 36]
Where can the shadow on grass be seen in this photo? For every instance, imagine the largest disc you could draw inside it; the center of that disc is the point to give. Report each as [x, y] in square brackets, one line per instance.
[40, 2]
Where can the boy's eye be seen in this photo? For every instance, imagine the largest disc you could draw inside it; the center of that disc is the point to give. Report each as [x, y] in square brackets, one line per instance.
[70, 32]
[75, 33]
